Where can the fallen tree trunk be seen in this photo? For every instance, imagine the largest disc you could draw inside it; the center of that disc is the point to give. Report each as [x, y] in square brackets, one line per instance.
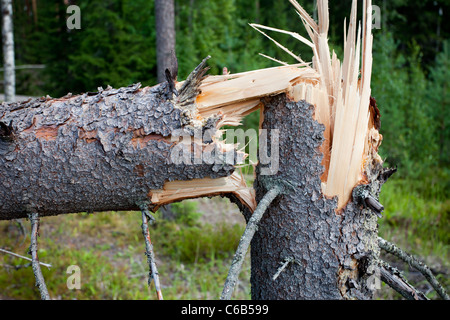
[111, 150]
[118, 148]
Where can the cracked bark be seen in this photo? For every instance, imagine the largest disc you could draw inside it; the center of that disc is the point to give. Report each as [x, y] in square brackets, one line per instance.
[335, 250]
[100, 151]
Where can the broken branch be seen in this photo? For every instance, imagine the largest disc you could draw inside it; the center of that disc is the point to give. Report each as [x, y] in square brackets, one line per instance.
[153, 274]
[393, 278]
[22, 257]
[244, 243]
[40, 282]
[413, 262]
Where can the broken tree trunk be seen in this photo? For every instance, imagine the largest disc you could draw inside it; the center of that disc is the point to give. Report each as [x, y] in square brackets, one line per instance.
[118, 148]
[335, 251]
[323, 229]
[112, 150]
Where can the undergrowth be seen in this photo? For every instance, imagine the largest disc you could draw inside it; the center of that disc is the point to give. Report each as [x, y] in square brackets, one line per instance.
[192, 258]
[192, 253]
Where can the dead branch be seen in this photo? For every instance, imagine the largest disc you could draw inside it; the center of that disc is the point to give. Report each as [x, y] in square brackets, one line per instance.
[244, 243]
[153, 273]
[413, 262]
[99, 151]
[40, 282]
[393, 278]
[22, 257]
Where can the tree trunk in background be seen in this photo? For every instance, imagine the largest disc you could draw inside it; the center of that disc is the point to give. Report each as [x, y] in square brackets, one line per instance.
[334, 253]
[165, 35]
[8, 51]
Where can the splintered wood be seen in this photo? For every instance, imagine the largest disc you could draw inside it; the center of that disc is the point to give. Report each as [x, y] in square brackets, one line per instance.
[237, 95]
[179, 190]
[340, 92]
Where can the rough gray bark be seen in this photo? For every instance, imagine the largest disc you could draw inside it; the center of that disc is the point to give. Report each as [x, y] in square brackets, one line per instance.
[335, 253]
[165, 36]
[8, 50]
[95, 152]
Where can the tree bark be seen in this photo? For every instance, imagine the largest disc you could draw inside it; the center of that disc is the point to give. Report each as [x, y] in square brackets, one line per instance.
[165, 36]
[333, 253]
[108, 150]
[8, 51]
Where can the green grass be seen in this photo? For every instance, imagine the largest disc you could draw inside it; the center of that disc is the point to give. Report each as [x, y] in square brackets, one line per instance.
[418, 222]
[192, 258]
[416, 219]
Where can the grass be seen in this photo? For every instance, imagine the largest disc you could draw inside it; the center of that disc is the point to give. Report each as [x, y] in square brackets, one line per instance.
[417, 222]
[194, 249]
[421, 224]
[192, 258]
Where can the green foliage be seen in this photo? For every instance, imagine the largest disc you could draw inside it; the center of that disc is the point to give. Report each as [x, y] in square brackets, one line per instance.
[439, 97]
[408, 210]
[401, 90]
[112, 46]
[115, 46]
[201, 243]
[191, 241]
[108, 247]
[186, 212]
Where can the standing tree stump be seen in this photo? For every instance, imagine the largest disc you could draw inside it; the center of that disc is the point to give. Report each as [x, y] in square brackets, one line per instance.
[333, 253]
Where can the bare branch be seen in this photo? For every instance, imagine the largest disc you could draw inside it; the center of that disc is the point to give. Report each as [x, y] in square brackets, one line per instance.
[244, 243]
[21, 229]
[413, 262]
[22, 257]
[153, 274]
[40, 282]
[393, 278]
[283, 266]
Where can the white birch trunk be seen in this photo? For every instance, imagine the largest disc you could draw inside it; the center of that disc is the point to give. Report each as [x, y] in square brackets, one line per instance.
[8, 51]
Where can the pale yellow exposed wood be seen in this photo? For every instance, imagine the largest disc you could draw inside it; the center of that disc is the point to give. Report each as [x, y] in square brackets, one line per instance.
[179, 190]
[237, 95]
[292, 34]
[339, 90]
[341, 97]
